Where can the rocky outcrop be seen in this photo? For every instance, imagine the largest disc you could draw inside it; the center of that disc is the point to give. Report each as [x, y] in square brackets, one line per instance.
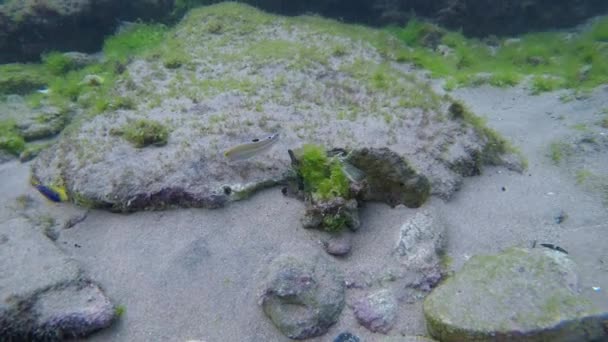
[43, 294]
[303, 298]
[519, 295]
[337, 91]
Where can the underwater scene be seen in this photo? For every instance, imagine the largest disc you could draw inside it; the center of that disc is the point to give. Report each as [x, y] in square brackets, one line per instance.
[323, 170]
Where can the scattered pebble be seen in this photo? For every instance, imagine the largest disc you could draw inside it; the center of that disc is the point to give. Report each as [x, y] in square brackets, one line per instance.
[561, 217]
[346, 337]
[338, 245]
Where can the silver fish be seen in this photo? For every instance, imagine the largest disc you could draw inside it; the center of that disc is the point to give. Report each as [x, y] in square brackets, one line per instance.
[248, 150]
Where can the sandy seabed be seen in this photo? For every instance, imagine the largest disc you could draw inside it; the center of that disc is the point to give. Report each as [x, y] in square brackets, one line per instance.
[194, 274]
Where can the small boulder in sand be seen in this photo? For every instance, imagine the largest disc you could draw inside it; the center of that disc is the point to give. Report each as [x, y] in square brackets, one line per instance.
[43, 295]
[338, 245]
[376, 311]
[303, 297]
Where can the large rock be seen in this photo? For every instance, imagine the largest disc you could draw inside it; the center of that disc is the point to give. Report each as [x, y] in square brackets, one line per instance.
[43, 294]
[294, 76]
[519, 295]
[303, 298]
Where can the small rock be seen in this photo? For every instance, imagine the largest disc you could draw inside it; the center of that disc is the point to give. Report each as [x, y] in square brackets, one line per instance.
[422, 239]
[376, 311]
[303, 298]
[560, 217]
[338, 245]
[346, 337]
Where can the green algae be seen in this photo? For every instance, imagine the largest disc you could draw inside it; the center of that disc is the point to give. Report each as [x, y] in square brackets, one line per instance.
[22, 78]
[555, 60]
[143, 132]
[10, 139]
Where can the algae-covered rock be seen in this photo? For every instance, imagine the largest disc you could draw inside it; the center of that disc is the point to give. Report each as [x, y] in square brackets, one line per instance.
[247, 74]
[519, 295]
[390, 177]
[21, 79]
[303, 298]
[332, 215]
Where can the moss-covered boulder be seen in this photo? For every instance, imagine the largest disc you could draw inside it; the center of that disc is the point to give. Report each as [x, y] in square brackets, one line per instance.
[20, 123]
[390, 177]
[242, 75]
[519, 295]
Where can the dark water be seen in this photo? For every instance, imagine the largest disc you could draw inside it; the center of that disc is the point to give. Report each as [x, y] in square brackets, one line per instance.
[28, 27]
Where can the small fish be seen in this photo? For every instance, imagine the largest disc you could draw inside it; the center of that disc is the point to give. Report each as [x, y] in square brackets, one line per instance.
[248, 150]
[51, 193]
[554, 247]
[44, 91]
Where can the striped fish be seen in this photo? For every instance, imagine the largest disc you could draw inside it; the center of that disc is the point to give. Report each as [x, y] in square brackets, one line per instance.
[248, 150]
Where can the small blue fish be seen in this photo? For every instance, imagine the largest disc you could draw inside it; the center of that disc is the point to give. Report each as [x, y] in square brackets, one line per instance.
[48, 193]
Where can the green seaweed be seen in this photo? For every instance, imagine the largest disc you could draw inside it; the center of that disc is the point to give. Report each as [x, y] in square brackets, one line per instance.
[10, 139]
[136, 40]
[323, 178]
[57, 63]
[554, 59]
[313, 166]
[559, 150]
[22, 78]
[337, 185]
[599, 31]
[120, 310]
